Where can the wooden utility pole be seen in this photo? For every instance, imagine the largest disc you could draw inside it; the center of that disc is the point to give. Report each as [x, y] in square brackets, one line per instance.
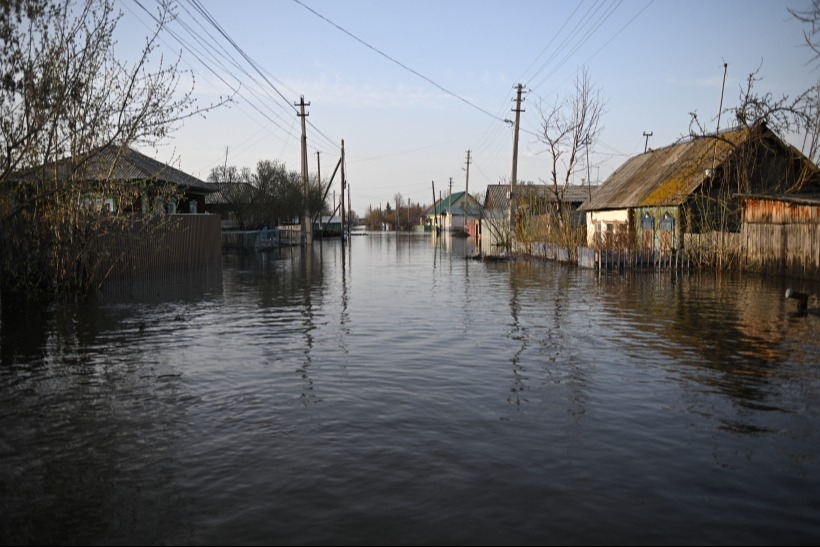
[306, 222]
[513, 181]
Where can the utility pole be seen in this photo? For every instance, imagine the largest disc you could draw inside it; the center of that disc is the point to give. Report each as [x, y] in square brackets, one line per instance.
[435, 208]
[450, 203]
[586, 143]
[467, 190]
[513, 181]
[306, 223]
[646, 143]
[342, 195]
[319, 181]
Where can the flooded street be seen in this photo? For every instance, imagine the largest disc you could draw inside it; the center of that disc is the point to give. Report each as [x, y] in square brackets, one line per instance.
[397, 393]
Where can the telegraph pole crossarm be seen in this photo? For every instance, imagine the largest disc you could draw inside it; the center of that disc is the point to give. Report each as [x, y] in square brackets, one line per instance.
[646, 144]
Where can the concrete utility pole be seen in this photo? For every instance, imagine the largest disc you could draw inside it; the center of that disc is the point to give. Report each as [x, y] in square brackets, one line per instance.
[587, 142]
[450, 203]
[467, 191]
[513, 181]
[319, 181]
[342, 195]
[435, 207]
[646, 144]
[306, 224]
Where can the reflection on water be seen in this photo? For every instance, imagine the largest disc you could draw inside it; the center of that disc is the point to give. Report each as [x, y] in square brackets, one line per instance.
[394, 392]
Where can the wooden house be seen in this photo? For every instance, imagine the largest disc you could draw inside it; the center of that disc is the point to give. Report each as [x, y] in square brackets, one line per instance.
[656, 198]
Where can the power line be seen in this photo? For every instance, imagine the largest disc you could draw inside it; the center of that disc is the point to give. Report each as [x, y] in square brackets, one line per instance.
[399, 63]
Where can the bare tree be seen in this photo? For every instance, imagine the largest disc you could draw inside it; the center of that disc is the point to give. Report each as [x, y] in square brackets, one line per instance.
[811, 35]
[268, 196]
[398, 199]
[64, 98]
[570, 129]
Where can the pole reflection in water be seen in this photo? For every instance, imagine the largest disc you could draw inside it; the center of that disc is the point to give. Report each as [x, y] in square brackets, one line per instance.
[408, 395]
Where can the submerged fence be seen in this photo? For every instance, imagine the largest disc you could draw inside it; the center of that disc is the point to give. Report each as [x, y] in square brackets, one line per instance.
[791, 250]
[247, 240]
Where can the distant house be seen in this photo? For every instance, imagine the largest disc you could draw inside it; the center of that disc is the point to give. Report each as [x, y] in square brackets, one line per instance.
[327, 226]
[654, 199]
[535, 202]
[232, 201]
[452, 214]
[538, 199]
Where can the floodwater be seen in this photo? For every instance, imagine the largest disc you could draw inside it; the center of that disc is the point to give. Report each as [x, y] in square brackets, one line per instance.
[397, 393]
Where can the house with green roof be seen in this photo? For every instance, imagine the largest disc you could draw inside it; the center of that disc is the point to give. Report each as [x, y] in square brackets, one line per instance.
[452, 213]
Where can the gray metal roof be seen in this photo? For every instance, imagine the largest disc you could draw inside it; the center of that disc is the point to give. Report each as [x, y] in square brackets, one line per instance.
[496, 196]
[114, 163]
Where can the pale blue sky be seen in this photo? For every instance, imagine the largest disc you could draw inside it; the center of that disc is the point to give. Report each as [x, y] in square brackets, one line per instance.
[653, 61]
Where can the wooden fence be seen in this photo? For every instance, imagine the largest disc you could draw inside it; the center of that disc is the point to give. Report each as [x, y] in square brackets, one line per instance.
[791, 250]
[788, 249]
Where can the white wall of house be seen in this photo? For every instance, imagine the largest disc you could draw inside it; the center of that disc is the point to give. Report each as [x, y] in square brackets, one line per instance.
[455, 222]
[599, 222]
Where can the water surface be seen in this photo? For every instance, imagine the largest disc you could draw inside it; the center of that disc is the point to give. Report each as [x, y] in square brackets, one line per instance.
[398, 393]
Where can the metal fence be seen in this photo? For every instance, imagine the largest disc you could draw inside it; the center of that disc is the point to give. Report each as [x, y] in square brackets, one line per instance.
[183, 251]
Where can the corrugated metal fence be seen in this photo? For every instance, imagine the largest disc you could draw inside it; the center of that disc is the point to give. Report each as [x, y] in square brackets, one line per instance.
[184, 251]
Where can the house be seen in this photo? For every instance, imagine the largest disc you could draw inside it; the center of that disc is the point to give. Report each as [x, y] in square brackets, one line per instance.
[535, 203]
[101, 197]
[452, 214]
[232, 201]
[126, 165]
[126, 168]
[538, 199]
[327, 226]
[656, 198]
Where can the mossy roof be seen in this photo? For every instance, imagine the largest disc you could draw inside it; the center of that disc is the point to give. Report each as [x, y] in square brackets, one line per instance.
[666, 176]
